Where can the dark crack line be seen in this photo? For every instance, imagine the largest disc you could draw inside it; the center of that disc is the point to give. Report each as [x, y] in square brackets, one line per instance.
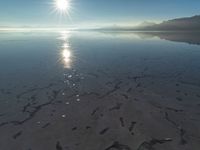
[132, 126]
[117, 107]
[34, 89]
[104, 131]
[46, 125]
[149, 145]
[122, 121]
[178, 127]
[26, 107]
[33, 113]
[173, 109]
[15, 136]
[94, 111]
[135, 78]
[196, 84]
[116, 87]
[118, 146]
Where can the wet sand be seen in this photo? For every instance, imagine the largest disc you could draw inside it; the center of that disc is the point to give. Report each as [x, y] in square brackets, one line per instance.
[116, 100]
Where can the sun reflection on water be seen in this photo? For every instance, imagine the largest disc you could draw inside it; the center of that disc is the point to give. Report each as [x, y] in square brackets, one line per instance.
[66, 51]
[66, 58]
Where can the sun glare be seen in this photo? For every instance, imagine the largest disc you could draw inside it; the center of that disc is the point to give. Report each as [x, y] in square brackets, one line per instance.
[66, 54]
[62, 5]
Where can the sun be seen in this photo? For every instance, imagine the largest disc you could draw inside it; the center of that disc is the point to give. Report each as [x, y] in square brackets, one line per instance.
[62, 5]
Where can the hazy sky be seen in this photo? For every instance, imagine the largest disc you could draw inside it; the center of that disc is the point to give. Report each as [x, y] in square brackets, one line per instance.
[93, 12]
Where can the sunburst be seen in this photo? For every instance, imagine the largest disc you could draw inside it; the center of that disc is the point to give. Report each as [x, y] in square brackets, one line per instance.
[62, 6]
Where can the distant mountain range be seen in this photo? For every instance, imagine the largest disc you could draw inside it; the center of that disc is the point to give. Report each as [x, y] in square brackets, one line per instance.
[180, 24]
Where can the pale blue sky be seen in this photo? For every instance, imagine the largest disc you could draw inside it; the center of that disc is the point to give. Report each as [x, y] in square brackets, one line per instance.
[94, 12]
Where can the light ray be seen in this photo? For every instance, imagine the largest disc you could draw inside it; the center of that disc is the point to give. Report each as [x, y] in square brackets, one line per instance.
[62, 7]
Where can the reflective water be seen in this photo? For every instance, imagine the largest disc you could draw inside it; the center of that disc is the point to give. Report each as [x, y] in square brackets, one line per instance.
[99, 90]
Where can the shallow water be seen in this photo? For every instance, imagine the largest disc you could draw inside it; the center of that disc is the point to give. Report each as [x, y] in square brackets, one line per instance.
[99, 91]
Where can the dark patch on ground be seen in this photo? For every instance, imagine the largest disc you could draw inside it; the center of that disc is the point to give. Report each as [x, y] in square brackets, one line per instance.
[173, 109]
[58, 146]
[179, 99]
[132, 126]
[104, 131]
[5, 91]
[88, 127]
[135, 78]
[138, 85]
[26, 107]
[149, 145]
[117, 146]
[116, 87]
[15, 136]
[74, 128]
[46, 125]
[122, 121]
[129, 90]
[125, 96]
[117, 107]
[94, 111]
[182, 133]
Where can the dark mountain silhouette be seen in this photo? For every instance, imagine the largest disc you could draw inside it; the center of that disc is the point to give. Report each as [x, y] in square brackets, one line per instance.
[180, 24]
[190, 23]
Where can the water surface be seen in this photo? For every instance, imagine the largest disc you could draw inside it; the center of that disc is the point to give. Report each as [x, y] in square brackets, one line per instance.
[99, 91]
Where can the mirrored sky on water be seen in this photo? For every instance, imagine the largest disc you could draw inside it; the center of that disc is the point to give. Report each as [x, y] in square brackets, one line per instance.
[43, 56]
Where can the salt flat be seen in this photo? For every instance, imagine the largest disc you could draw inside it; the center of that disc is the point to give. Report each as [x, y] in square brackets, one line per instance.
[98, 91]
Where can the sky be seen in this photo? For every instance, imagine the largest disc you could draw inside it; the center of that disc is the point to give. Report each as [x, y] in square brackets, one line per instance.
[41, 13]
